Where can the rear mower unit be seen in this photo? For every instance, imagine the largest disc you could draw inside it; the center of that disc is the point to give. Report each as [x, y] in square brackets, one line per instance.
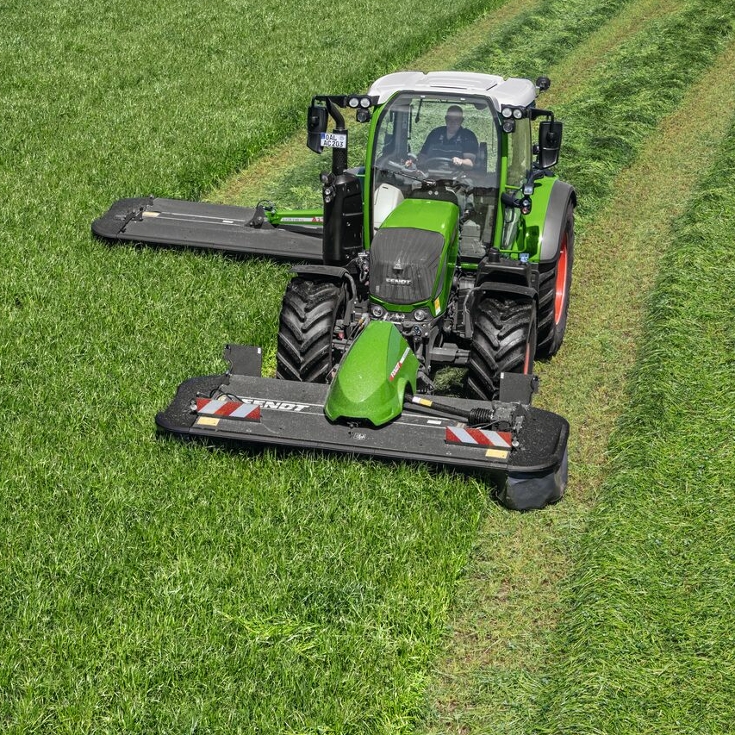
[451, 247]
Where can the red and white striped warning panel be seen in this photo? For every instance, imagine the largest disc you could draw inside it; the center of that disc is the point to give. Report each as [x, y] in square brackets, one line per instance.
[478, 437]
[227, 409]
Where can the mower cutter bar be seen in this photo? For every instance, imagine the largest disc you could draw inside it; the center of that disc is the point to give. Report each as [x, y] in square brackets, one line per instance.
[291, 415]
[219, 227]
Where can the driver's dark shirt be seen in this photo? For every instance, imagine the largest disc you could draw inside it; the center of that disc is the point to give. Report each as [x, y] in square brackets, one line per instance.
[438, 144]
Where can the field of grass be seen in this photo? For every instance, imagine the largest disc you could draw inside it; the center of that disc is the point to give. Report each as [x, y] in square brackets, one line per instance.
[647, 645]
[149, 586]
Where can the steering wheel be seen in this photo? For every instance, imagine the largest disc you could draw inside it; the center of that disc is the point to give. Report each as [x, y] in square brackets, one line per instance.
[441, 163]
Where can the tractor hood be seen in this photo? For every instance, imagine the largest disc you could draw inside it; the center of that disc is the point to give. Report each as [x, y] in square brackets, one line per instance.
[372, 377]
[409, 253]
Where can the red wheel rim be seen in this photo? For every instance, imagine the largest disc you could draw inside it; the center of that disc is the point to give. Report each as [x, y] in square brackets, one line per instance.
[527, 359]
[560, 292]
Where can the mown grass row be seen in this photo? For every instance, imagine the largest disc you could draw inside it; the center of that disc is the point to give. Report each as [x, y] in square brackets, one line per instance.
[647, 644]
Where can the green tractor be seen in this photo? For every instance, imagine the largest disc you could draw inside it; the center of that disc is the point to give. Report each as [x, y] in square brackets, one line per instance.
[454, 232]
[451, 247]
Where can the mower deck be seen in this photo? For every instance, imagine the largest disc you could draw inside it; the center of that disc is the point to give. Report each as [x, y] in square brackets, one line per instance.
[239, 406]
[211, 226]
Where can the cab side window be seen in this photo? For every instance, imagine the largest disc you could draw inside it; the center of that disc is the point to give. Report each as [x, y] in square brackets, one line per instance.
[519, 153]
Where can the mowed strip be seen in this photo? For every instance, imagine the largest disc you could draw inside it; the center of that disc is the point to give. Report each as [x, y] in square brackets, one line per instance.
[646, 644]
[510, 600]
[586, 61]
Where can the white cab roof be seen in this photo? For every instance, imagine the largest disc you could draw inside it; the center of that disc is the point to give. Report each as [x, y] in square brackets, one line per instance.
[512, 91]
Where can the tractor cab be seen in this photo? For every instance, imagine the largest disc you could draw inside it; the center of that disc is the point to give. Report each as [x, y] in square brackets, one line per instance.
[438, 146]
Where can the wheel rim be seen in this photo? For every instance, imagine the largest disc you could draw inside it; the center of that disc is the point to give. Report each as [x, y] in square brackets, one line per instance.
[530, 349]
[560, 292]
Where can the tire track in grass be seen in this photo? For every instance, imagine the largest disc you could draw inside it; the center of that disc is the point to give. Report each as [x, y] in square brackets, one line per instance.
[510, 600]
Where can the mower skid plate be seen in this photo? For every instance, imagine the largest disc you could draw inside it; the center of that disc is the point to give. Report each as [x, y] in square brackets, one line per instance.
[210, 226]
[291, 415]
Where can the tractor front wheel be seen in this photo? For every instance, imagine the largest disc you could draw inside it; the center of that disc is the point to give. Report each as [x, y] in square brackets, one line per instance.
[555, 280]
[306, 329]
[503, 341]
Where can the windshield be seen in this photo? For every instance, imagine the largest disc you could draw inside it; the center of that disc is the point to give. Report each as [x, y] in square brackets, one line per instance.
[444, 138]
[435, 130]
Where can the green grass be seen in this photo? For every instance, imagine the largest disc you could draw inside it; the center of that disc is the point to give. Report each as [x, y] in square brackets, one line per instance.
[149, 586]
[225, 600]
[544, 35]
[647, 645]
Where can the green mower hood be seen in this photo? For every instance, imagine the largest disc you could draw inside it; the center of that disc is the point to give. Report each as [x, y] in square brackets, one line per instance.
[371, 380]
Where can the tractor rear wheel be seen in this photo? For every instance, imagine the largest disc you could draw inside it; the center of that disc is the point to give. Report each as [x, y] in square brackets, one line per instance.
[306, 329]
[555, 280]
[503, 341]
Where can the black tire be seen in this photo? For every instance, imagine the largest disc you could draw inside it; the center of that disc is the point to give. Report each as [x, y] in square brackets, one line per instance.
[503, 340]
[555, 281]
[306, 327]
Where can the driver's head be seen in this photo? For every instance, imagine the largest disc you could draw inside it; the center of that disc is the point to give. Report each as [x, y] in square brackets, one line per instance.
[453, 117]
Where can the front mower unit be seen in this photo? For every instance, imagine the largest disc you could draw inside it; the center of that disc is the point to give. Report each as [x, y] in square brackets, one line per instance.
[520, 448]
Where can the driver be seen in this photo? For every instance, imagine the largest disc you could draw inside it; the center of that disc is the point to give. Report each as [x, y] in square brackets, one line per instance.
[451, 141]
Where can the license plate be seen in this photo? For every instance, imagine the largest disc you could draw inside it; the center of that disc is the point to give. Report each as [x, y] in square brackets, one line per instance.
[334, 140]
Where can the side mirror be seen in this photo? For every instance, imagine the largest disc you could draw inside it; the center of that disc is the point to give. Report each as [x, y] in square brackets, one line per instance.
[316, 124]
[549, 143]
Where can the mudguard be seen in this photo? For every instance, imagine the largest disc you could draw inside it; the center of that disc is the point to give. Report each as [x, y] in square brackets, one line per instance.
[561, 194]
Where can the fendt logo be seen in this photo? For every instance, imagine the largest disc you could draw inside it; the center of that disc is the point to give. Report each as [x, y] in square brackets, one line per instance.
[275, 405]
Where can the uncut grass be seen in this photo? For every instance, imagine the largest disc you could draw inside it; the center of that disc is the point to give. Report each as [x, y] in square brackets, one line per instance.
[149, 586]
[647, 644]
